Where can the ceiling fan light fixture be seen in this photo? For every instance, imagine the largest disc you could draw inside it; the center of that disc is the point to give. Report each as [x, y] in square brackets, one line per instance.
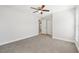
[39, 11]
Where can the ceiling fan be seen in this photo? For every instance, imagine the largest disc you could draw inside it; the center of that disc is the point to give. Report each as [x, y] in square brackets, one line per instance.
[40, 9]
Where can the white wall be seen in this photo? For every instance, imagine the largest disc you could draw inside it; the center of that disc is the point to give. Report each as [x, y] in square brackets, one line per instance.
[16, 24]
[63, 25]
[77, 26]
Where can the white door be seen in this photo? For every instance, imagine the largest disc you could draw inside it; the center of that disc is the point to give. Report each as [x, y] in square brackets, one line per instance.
[49, 24]
[46, 25]
[43, 26]
[77, 24]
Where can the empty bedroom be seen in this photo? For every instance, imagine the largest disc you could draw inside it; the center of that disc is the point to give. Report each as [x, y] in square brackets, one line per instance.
[39, 29]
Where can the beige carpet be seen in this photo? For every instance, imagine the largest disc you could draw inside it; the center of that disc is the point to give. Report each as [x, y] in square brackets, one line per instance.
[39, 44]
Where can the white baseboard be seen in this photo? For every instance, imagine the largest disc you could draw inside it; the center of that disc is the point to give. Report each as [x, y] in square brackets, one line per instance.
[17, 39]
[68, 40]
[77, 45]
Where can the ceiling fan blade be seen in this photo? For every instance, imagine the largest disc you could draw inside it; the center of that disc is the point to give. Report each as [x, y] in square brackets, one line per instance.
[35, 11]
[34, 8]
[42, 6]
[46, 10]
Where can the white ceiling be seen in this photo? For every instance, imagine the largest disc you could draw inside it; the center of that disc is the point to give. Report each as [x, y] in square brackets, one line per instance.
[52, 8]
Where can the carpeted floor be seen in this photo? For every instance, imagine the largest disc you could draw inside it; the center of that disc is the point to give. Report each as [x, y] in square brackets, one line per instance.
[39, 44]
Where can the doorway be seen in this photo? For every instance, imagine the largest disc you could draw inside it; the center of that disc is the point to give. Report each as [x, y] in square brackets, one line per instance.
[45, 25]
